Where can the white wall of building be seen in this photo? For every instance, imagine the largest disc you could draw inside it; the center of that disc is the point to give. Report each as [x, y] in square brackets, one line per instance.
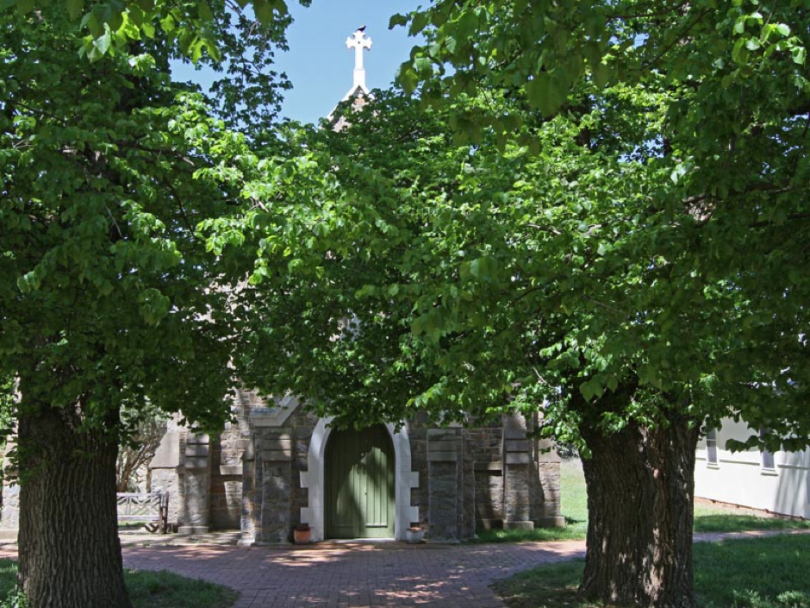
[739, 477]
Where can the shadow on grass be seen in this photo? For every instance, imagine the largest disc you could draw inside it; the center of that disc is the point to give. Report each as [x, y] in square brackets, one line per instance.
[150, 589]
[757, 573]
[741, 523]
[571, 532]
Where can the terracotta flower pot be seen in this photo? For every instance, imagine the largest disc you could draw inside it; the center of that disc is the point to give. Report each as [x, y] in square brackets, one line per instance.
[302, 534]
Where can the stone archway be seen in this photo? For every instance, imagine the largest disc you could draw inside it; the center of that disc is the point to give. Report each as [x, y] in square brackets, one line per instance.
[404, 480]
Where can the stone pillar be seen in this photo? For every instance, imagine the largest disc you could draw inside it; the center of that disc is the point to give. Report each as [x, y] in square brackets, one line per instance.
[274, 455]
[226, 476]
[517, 474]
[10, 516]
[445, 483]
[546, 492]
[251, 497]
[166, 473]
[196, 485]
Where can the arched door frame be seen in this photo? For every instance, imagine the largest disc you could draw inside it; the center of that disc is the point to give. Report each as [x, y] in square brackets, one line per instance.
[404, 480]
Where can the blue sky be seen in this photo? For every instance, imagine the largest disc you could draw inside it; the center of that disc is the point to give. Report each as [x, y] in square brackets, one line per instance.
[318, 62]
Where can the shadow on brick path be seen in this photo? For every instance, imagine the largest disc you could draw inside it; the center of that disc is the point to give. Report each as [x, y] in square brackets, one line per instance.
[355, 573]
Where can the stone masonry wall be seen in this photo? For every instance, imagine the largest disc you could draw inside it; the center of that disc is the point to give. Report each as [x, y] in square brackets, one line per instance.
[445, 484]
[195, 485]
[468, 478]
[484, 446]
[272, 492]
[10, 514]
[226, 473]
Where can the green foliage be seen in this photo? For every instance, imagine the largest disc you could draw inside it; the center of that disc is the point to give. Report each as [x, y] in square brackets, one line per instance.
[599, 273]
[15, 599]
[109, 299]
[197, 28]
[548, 48]
[621, 234]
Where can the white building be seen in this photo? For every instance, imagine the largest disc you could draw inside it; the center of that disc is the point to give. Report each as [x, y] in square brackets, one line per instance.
[778, 482]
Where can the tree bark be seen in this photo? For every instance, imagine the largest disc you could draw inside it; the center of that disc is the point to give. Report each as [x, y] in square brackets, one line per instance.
[640, 486]
[70, 554]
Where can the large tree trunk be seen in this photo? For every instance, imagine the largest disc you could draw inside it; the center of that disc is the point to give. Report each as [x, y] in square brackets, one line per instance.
[640, 512]
[70, 555]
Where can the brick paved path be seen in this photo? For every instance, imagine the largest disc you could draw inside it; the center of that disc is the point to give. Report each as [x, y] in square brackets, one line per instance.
[356, 574]
[337, 575]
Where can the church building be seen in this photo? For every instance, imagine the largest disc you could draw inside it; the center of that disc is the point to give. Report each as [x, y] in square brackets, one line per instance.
[278, 466]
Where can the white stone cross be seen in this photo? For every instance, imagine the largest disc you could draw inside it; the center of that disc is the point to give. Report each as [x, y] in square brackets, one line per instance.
[358, 41]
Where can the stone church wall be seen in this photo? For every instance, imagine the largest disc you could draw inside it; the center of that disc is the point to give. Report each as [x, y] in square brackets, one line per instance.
[468, 478]
[250, 476]
[272, 478]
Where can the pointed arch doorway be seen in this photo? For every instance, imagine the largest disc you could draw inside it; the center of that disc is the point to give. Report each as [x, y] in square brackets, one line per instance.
[360, 484]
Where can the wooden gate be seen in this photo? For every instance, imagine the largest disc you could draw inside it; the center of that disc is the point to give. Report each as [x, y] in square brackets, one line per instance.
[359, 480]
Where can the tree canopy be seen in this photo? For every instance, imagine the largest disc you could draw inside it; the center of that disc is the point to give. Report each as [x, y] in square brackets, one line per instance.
[599, 209]
[109, 299]
[615, 235]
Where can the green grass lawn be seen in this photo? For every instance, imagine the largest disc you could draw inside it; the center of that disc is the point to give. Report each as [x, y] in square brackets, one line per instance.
[151, 589]
[574, 503]
[770, 572]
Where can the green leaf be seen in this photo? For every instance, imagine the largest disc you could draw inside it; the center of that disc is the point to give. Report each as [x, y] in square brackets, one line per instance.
[420, 21]
[196, 50]
[423, 66]
[590, 389]
[75, 8]
[26, 6]
[408, 78]
[168, 24]
[484, 267]
[799, 54]
[264, 11]
[205, 12]
[601, 74]
[547, 92]
[103, 43]
[739, 53]
[397, 20]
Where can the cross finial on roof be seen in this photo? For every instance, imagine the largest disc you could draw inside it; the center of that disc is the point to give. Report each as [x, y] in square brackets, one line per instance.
[359, 41]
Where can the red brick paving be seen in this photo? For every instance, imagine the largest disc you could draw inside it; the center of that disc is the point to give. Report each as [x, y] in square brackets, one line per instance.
[353, 574]
[356, 574]
[359, 574]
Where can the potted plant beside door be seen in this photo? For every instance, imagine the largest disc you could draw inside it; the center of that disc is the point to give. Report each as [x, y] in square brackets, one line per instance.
[302, 534]
[415, 534]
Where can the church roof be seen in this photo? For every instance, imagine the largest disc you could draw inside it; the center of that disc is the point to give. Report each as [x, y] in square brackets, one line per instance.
[358, 42]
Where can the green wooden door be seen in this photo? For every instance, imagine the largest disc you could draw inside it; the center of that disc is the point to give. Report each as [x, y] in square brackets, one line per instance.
[359, 479]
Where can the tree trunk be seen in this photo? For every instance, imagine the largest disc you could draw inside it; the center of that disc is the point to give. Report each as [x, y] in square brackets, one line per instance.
[70, 555]
[640, 511]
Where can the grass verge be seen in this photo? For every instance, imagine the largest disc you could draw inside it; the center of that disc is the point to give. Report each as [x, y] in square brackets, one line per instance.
[766, 572]
[151, 589]
[574, 502]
